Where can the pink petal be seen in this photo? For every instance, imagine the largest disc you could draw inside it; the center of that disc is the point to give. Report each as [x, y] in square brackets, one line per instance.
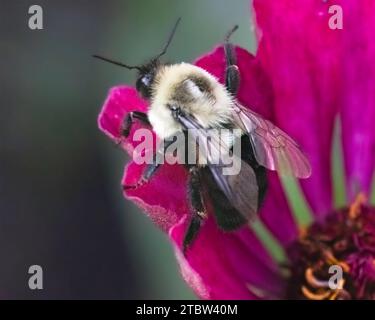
[275, 212]
[299, 52]
[219, 265]
[164, 198]
[153, 197]
[120, 101]
[222, 265]
[256, 93]
[358, 93]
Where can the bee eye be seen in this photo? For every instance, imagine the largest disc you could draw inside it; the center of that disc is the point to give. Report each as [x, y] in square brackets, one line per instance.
[144, 84]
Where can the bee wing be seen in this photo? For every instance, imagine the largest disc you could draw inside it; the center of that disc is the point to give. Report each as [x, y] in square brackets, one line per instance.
[241, 188]
[273, 148]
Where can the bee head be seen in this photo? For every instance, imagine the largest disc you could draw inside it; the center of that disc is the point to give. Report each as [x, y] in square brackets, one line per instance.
[146, 77]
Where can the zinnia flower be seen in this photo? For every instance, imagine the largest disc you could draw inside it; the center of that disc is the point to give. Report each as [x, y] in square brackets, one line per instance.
[304, 76]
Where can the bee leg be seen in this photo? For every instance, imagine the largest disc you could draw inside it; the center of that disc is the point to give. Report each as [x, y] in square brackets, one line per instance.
[232, 73]
[152, 168]
[129, 120]
[197, 206]
[191, 232]
[146, 176]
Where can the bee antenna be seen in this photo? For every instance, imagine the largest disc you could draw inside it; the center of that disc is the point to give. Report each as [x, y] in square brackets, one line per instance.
[169, 39]
[231, 31]
[116, 62]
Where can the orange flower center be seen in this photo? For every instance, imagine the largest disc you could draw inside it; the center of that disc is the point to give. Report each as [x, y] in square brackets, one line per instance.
[335, 258]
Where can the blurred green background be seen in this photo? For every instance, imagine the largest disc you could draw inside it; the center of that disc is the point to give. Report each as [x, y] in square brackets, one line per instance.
[60, 198]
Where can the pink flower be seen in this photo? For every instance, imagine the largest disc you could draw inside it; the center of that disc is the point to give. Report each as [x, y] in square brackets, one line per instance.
[303, 76]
